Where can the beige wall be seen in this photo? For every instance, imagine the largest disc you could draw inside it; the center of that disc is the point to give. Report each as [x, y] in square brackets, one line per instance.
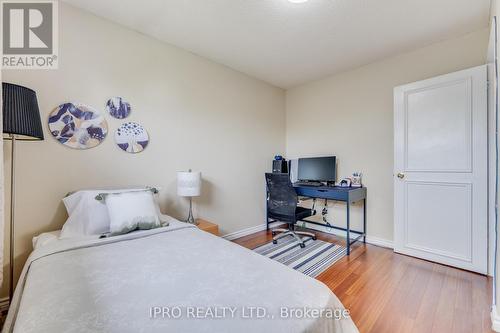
[351, 115]
[199, 115]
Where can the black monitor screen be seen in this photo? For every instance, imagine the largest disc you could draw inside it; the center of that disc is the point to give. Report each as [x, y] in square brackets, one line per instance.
[321, 169]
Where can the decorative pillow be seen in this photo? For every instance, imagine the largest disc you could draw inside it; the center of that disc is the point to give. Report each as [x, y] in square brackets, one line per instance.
[85, 215]
[129, 211]
[88, 216]
[45, 238]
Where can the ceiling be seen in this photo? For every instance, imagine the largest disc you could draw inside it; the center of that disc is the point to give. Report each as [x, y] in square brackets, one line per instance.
[289, 44]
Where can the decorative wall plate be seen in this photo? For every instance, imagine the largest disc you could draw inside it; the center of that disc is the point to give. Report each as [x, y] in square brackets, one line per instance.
[118, 108]
[78, 126]
[131, 137]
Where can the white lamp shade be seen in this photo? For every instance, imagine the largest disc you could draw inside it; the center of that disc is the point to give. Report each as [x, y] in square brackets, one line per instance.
[188, 184]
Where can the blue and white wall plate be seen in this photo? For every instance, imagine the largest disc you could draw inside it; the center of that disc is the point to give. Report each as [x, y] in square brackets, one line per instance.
[118, 108]
[78, 126]
[131, 137]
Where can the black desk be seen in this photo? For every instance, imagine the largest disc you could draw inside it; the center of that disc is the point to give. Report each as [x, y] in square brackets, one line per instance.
[349, 195]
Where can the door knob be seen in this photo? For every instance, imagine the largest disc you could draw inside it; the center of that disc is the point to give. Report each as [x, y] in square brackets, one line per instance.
[401, 175]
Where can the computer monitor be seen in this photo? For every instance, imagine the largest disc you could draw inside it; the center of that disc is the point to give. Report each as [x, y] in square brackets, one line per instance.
[320, 169]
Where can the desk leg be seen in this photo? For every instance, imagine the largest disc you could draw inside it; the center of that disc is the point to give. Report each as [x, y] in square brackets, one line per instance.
[364, 220]
[348, 241]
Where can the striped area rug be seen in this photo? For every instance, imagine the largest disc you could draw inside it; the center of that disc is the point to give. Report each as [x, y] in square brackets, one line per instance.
[312, 260]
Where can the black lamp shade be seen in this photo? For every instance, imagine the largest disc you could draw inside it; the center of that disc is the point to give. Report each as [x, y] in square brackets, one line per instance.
[21, 115]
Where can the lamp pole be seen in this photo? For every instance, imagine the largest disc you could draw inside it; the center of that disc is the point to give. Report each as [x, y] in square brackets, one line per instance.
[190, 218]
[12, 213]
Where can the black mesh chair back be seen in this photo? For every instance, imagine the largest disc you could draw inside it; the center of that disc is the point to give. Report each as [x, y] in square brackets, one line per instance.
[282, 201]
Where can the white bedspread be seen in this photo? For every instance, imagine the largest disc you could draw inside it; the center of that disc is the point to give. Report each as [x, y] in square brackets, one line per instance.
[210, 284]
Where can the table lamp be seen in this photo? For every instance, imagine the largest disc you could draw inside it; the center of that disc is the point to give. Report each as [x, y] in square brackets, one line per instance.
[189, 185]
[21, 122]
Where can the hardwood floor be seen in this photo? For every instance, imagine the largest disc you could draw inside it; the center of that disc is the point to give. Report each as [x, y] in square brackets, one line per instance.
[387, 292]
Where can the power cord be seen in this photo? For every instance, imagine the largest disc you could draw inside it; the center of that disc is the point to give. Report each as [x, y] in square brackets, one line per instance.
[324, 214]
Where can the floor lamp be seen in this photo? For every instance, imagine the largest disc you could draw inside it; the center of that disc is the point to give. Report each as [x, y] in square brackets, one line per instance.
[21, 122]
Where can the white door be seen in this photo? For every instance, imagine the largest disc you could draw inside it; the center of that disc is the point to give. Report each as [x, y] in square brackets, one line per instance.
[440, 169]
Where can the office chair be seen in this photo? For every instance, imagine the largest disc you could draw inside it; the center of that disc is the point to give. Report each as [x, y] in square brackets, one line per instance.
[282, 206]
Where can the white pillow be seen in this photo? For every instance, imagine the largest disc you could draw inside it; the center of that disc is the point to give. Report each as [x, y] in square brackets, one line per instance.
[130, 211]
[45, 238]
[86, 215]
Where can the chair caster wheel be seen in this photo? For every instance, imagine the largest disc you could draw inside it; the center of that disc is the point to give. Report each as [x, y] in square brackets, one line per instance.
[275, 241]
[302, 246]
[314, 238]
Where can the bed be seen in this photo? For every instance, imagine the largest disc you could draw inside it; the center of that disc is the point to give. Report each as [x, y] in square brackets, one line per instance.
[170, 279]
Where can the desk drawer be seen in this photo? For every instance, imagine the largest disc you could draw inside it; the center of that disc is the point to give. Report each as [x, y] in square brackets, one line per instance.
[318, 192]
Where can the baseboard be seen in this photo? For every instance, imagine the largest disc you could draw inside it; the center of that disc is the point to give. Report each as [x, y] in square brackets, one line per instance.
[380, 242]
[244, 232]
[369, 239]
[249, 231]
[495, 319]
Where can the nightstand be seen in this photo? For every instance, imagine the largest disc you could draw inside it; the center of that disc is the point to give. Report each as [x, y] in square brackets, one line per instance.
[208, 226]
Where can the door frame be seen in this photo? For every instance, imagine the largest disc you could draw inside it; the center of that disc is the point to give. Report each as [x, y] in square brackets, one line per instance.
[492, 96]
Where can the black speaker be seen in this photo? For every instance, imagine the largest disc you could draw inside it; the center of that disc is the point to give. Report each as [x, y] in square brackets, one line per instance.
[280, 166]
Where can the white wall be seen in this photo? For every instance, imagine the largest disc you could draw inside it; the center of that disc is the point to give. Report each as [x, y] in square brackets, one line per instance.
[199, 115]
[351, 115]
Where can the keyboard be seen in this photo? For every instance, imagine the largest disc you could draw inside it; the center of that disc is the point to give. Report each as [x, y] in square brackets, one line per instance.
[313, 184]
